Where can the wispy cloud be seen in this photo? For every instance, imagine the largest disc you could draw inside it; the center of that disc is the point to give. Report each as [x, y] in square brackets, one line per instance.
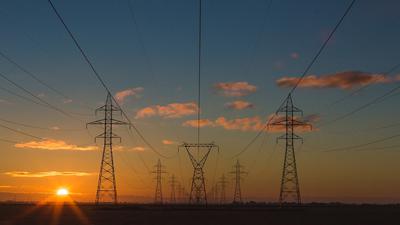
[255, 123]
[341, 80]
[195, 123]
[168, 142]
[52, 144]
[239, 105]
[234, 89]
[172, 110]
[122, 95]
[46, 174]
[129, 149]
[294, 55]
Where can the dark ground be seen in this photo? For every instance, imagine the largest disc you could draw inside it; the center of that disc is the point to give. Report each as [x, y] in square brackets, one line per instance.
[213, 215]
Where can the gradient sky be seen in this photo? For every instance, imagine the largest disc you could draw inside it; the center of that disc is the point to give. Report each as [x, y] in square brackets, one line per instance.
[243, 41]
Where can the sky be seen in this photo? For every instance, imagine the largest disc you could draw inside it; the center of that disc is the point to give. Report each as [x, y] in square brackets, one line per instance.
[252, 54]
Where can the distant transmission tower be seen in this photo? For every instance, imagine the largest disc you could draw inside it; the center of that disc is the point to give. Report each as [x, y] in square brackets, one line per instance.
[222, 182]
[158, 197]
[237, 196]
[290, 190]
[106, 186]
[172, 182]
[198, 193]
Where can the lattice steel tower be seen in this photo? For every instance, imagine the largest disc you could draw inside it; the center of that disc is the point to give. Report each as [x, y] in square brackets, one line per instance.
[106, 186]
[222, 182]
[198, 193]
[290, 190]
[158, 196]
[172, 183]
[237, 196]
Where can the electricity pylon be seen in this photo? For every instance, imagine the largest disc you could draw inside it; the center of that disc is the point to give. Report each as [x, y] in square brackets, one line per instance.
[222, 184]
[290, 190]
[198, 193]
[158, 197]
[172, 183]
[106, 186]
[237, 196]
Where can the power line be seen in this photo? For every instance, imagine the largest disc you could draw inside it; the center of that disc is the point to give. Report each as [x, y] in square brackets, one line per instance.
[36, 97]
[139, 37]
[364, 144]
[323, 46]
[21, 96]
[21, 132]
[374, 101]
[394, 68]
[33, 76]
[301, 77]
[97, 75]
[36, 127]
[199, 74]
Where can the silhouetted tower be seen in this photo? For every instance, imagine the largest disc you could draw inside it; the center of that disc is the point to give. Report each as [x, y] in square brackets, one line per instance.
[158, 197]
[198, 193]
[237, 196]
[222, 184]
[290, 190]
[172, 183]
[106, 186]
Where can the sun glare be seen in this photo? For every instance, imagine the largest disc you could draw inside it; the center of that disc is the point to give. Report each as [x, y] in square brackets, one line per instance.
[62, 192]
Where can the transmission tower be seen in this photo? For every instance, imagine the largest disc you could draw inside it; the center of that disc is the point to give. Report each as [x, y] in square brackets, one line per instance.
[198, 193]
[172, 182]
[237, 197]
[158, 197]
[222, 184]
[290, 190]
[106, 186]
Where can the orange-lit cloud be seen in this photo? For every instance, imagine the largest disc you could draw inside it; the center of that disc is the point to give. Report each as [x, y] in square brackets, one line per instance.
[122, 95]
[342, 80]
[131, 149]
[255, 123]
[239, 105]
[46, 174]
[235, 89]
[168, 142]
[194, 123]
[243, 124]
[172, 110]
[52, 144]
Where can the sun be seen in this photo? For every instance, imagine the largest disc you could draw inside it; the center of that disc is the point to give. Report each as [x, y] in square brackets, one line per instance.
[62, 192]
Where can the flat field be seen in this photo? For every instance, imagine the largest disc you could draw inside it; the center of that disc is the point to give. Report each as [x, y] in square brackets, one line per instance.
[55, 214]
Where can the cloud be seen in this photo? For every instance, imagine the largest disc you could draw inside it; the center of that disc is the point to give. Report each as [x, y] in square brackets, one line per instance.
[52, 144]
[239, 105]
[242, 124]
[235, 89]
[172, 110]
[46, 174]
[66, 101]
[341, 80]
[5, 186]
[294, 55]
[132, 149]
[194, 123]
[255, 123]
[122, 95]
[168, 142]
[308, 120]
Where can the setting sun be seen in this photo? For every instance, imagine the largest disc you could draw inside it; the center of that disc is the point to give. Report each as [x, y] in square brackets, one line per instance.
[62, 192]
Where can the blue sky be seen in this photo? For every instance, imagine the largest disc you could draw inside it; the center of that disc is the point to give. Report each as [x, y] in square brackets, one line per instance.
[242, 41]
